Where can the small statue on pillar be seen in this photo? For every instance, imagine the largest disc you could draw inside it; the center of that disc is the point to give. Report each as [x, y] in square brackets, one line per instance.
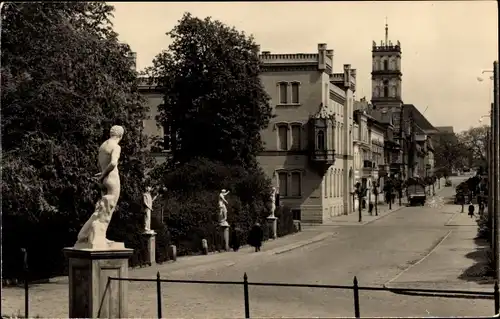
[223, 208]
[274, 194]
[148, 208]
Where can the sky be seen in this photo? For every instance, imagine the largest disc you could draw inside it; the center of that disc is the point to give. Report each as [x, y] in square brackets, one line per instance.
[445, 45]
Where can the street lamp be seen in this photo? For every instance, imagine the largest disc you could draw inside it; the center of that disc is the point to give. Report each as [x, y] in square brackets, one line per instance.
[482, 117]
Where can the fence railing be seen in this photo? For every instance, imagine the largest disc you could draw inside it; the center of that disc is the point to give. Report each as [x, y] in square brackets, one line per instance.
[355, 289]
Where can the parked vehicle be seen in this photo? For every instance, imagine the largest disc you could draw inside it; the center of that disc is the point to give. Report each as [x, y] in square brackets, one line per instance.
[416, 193]
[447, 183]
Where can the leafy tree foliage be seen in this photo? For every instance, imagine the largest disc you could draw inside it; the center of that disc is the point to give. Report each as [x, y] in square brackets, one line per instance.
[65, 81]
[474, 142]
[214, 103]
[450, 153]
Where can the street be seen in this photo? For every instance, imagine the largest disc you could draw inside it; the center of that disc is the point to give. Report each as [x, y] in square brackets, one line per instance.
[376, 253]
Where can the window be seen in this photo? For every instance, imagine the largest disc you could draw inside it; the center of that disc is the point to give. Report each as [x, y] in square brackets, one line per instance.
[283, 183]
[295, 93]
[386, 65]
[283, 93]
[296, 137]
[283, 137]
[320, 141]
[296, 184]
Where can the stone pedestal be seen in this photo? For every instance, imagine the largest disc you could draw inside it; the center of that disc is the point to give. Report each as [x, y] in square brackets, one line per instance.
[151, 252]
[172, 252]
[225, 236]
[272, 222]
[89, 294]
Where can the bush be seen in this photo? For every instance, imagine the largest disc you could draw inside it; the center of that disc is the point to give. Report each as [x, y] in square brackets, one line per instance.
[483, 227]
[190, 202]
[286, 225]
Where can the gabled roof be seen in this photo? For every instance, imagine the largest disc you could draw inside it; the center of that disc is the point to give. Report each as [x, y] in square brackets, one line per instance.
[410, 111]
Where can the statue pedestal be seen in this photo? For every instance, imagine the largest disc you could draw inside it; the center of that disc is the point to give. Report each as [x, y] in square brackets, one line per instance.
[89, 293]
[225, 236]
[272, 221]
[151, 252]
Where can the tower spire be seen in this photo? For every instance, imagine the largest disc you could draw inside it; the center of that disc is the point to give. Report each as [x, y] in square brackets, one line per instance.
[386, 32]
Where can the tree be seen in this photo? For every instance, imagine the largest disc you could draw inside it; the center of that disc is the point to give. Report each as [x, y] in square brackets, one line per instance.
[474, 142]
[65, 81]
[214, 103]
[449, 153]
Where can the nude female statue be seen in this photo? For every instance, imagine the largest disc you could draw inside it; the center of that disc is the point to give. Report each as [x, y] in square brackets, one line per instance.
[94, 230]
[223, 208]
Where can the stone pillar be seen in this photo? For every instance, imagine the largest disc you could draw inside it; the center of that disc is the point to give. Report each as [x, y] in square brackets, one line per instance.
[172, 252]
[225, 236]
[89, 293]
[151, 243]
[272, 222]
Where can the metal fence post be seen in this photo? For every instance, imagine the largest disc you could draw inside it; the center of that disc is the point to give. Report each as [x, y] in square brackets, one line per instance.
[356, 297]
[497, 298]
[245, 294]
[26, 282]
[158, 294]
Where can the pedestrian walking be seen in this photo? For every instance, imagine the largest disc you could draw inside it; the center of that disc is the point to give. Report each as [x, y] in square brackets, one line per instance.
[471, 210]
[235, 239]
[256, 236]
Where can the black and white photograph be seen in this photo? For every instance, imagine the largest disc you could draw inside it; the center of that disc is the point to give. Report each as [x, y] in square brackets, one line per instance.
[265, 159]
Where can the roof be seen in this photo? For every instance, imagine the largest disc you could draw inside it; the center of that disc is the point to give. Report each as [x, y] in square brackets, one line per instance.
[409, 110]
[445, 129]
[324, 112]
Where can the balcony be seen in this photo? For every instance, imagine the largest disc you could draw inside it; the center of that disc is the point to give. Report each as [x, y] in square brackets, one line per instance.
[387, 72]
[322, 154]
[368, 164]
[326, 157]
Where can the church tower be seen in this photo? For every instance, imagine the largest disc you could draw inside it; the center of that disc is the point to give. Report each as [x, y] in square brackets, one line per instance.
[386, 75]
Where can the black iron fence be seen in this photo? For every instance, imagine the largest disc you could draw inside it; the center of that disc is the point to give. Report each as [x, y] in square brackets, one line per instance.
[356, 288]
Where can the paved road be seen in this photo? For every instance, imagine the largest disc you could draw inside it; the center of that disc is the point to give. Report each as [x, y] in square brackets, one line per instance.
[375, 253]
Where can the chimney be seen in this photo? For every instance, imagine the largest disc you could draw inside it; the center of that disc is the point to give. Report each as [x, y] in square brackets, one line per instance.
[322, 56]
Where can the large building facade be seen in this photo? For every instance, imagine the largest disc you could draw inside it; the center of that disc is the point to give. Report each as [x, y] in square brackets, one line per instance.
[308, 145]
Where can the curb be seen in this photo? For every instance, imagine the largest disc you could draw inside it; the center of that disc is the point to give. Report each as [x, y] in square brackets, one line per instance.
[421, 259]
[313, 240]
[382, 216]
[432, 286]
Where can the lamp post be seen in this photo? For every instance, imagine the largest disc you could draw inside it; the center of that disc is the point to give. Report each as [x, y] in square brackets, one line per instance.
[494, 169]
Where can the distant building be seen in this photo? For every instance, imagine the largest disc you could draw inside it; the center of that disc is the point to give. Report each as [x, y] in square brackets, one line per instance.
[386, 96]
[370, 149]
[414, 154]
[308, 145]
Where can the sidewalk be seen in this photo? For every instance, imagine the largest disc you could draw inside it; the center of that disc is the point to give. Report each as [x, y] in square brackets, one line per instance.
[456, 263]
[200, 263]
[353, 218]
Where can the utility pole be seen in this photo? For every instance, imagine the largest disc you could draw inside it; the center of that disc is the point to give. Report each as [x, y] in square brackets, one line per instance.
[496, 180]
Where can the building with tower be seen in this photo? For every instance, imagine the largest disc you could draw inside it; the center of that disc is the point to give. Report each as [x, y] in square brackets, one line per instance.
[407, 120]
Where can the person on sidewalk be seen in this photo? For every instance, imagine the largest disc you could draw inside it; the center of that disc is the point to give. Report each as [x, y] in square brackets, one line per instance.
[471, 210]
[235, 239]
[256, 236]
